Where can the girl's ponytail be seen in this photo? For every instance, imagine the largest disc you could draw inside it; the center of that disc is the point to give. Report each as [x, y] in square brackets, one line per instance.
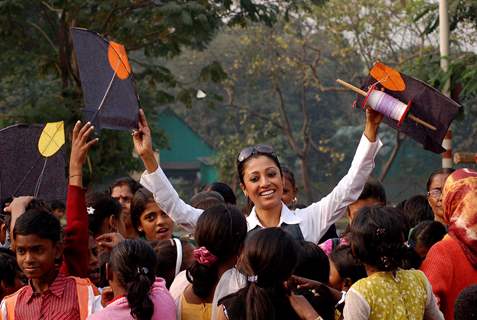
[135, 263]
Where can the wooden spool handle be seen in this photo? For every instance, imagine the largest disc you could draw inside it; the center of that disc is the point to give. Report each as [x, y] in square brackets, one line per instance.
[364, 93]
[465, 157]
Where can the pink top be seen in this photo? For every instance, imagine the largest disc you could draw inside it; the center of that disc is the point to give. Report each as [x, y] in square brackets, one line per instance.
[164, 306]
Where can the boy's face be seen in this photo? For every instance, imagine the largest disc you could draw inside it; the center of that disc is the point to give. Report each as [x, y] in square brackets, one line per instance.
[36, 256]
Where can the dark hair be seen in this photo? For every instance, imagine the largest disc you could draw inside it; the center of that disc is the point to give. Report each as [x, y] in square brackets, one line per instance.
[417, 209]
[138, 204]
[270, 255]
[135, 262]
[241, 164]
[427, 233]
[206, 199]
[40, 223]
[224, 190]
[130, 182]
[377, 237]
[437, 172]
[312, 262]
[221, 230]
[9, 269]
[346, 264]
[57, 204]
[466, 304]
[287, 173]
[104, 206]
[166, 252]
[373, 189]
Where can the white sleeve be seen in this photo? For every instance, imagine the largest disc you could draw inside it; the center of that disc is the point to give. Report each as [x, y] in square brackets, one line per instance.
[168, 200]
[319, 216]
[356, 307]
[432, 311]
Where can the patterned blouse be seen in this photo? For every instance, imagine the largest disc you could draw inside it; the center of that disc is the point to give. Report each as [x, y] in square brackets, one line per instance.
[403, 295]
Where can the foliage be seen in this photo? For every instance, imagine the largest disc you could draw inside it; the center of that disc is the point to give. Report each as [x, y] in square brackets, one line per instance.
[40, 80]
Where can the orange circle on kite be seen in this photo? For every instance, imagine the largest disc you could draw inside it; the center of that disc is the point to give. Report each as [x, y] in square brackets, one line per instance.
[388, 77]
[118, 60]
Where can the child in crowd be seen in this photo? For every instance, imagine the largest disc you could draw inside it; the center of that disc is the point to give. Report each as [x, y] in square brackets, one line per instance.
[268, 260]
[104, 214]
[50, 293]
[224, 190]
[148, 219]
[138, 294]
[423, 236]
[344, 268]
[173, 256]
[220, 233]
[11, 277]
[373, 194]
[417, 210]
[312, 264]
[388, 292]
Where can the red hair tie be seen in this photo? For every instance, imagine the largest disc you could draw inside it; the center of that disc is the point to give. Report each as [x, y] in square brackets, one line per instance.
[204, 256]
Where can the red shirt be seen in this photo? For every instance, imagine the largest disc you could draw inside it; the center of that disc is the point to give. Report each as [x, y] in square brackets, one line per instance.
[449, 272]
[59, 302]
[76, 236]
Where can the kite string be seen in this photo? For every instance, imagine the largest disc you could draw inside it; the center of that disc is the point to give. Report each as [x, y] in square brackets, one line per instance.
[40, 178]
[25, 176]
[106, 93]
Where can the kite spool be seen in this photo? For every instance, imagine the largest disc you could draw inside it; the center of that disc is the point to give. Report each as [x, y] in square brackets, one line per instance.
[386, 105]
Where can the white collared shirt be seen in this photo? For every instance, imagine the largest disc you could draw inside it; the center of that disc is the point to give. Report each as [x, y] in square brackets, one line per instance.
[313, 220]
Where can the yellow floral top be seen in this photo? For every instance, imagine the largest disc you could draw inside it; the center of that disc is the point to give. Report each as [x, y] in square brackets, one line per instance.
[405, 295]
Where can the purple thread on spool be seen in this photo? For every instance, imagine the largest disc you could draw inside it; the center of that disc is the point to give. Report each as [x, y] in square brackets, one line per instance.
[388, 105]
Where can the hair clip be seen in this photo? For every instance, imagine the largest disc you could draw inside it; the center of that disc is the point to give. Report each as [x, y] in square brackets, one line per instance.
[380, 231]
[142, 270]
[252, 279]
[90, 210]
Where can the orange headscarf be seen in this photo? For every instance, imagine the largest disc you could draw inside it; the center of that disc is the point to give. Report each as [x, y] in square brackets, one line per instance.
[459, 200]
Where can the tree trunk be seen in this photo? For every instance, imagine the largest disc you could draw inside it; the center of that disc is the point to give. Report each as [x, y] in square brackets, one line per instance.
[399, 139]
[306, 179]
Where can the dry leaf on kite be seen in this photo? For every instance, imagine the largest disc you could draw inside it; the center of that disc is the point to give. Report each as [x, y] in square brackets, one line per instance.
[41, 171]
[409, 105]
[107, 81]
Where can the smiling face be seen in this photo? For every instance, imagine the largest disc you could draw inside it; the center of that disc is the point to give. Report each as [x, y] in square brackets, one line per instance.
[155, 223]
[434, 196]
[36, 256]
[262, 182]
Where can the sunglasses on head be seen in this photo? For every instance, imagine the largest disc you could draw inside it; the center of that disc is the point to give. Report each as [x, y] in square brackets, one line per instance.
[253, 150]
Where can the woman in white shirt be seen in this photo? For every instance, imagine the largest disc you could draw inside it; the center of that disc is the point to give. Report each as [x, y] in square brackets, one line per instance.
[262, 182]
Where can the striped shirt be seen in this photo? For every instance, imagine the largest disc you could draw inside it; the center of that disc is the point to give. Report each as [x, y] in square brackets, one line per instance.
[59, 302]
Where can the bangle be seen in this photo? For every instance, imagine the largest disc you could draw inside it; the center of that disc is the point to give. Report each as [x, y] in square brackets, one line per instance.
[75, 175]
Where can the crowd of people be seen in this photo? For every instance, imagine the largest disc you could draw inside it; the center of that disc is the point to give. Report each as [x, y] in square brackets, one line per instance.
[115, 254]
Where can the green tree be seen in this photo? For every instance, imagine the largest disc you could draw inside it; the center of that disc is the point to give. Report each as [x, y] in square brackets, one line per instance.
[40, 81]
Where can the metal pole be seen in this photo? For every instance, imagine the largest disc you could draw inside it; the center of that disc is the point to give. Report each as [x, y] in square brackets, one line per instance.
[447, 161]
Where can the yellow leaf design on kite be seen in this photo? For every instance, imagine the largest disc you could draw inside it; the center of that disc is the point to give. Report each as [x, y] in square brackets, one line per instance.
[52, 138]
[388, 77]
